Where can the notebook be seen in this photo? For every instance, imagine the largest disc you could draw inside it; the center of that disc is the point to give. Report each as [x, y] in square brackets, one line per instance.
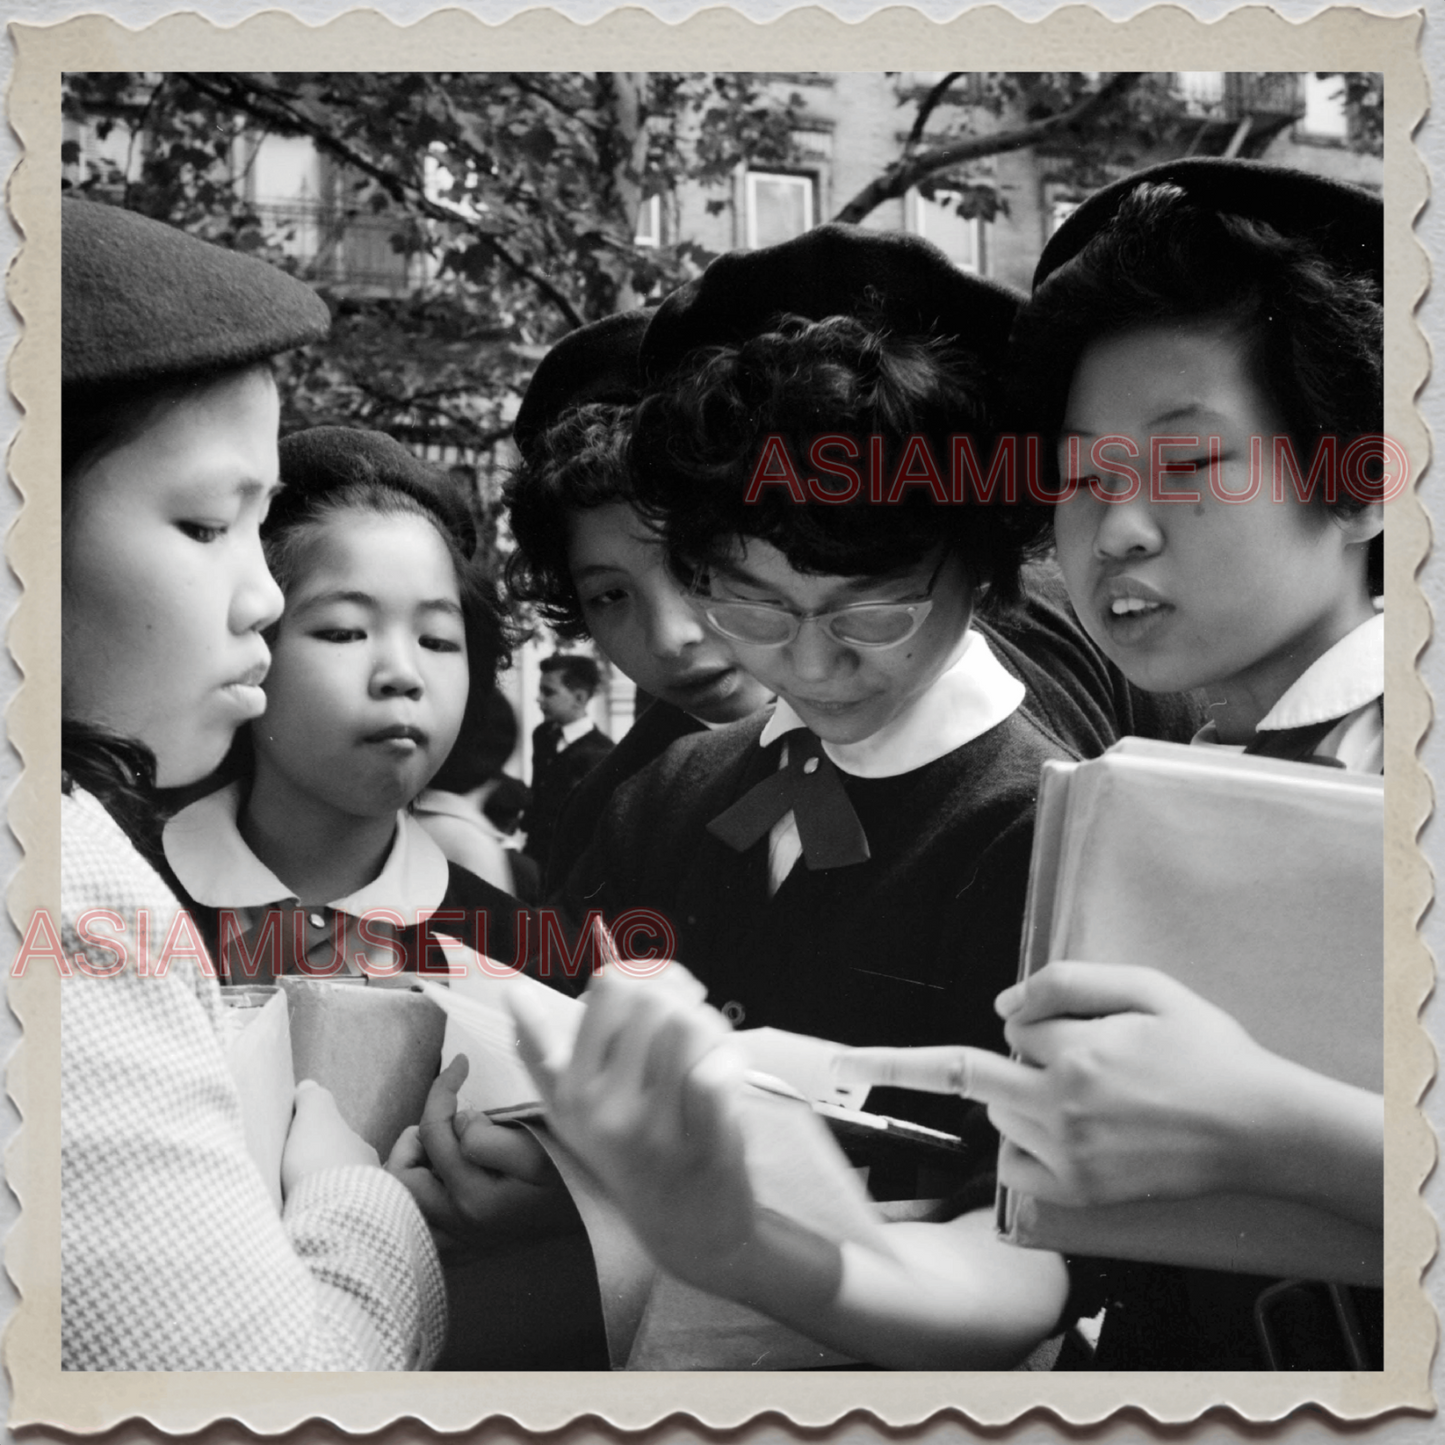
[1260, 885]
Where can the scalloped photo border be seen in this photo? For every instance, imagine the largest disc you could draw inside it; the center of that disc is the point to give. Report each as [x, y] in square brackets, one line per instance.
[1163, 38]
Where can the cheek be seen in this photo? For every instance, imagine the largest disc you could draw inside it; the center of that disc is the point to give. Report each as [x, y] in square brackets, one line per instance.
[614, 631]
[906, 670]
[451, 688]
[769, 666]
[114, 585]
[304, 694]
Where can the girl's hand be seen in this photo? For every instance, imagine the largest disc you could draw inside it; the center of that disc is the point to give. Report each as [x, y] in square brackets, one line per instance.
[1138, 1088]
[648, 1101]
[319, 1138]
[478, 1184]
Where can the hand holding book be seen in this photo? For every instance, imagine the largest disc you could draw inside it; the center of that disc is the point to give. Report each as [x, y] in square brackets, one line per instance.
[1129, 1086]
[477, 1184]
[319, 1138]
[1144, 1090]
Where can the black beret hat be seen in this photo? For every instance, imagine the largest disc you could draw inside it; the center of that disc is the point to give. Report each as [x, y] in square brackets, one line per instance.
[324, 458]
[903, 281]
[1344, 221]
[597, 362]
[144, 302]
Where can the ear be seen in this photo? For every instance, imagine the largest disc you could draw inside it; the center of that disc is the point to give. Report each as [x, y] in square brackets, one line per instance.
[1362, 526]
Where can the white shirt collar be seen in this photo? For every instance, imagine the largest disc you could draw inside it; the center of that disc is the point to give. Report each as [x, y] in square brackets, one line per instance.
[577, 728]
[1349, 675]
[217, 868]
[451, 805]
[972, 696]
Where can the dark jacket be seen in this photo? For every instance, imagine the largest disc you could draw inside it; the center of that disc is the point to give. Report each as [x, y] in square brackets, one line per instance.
[658, 727]
[554, 774]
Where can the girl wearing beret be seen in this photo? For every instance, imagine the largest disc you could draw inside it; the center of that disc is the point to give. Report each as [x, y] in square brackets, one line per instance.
[311, 856]
[172, 1254]
[387, 627]
[1239, 302]
[592, 563]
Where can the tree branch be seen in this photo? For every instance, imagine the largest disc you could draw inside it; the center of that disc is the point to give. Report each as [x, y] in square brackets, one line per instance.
[538, 92]
[273, 108]
[135, 131]
[389, 402]
[926, 107]
[904, 174]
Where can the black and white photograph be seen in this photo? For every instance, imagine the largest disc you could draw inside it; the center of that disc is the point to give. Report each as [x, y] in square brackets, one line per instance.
[728, 722]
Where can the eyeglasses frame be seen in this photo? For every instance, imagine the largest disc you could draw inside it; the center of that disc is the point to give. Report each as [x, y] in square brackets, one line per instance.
[918, 613]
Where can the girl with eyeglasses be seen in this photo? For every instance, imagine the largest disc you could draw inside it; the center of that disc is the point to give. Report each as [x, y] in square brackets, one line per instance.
[851, 863]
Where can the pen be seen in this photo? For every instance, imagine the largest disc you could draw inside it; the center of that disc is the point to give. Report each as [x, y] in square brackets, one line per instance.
[940, 1070]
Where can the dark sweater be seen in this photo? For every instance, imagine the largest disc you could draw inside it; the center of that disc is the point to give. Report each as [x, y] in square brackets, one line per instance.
[909, 947]
[912, 946]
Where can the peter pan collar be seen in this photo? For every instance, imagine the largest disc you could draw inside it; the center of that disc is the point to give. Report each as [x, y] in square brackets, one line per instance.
[972, 696]
[217, 868]
[1348, 676]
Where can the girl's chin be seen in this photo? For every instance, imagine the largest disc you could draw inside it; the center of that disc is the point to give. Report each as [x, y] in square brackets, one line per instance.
[186, 769]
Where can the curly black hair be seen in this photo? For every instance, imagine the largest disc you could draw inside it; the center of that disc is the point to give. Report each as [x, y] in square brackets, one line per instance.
[1313, 331]
[577, 463]
[698, 438]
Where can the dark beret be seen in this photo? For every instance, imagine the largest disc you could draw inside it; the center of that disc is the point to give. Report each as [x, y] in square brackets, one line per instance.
[597, 362]
[323, 458]
[903, 281]
[144, 302]
[1344, 221]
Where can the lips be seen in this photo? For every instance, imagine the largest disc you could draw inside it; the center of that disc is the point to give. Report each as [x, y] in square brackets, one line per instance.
[821, 705]
[244, 692]
[397, 732]
[700, 682]
[1131, 608]
[252, 677]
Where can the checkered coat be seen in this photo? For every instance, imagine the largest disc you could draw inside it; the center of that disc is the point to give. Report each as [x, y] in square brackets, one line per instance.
[172, 1255]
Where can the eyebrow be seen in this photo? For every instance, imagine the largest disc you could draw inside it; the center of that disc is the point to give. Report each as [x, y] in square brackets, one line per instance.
[365, 599]
[1189, 411]
[592, 568]
[248, 487]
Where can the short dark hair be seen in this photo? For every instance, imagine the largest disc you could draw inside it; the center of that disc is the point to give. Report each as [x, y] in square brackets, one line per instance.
[579, 673]
[1313, 330]
[577, 463]
[698, 438]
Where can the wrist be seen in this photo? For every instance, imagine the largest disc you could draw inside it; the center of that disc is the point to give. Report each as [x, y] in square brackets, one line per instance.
[1319, 1141]
[777, 1266]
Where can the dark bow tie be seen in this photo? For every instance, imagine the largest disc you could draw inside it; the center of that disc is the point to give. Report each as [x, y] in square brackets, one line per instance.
[809, 787]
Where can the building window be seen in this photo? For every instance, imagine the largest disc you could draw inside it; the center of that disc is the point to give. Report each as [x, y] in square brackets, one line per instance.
[778, 207]
[960, 238]
[1060, 201]
[1324, 116]
[649, 223]
[1203, 90]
